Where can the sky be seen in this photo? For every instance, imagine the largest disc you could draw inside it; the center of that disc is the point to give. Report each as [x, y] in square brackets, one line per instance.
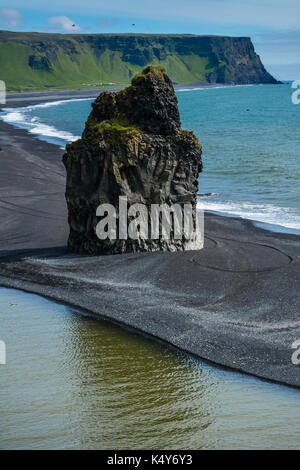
[273, 25]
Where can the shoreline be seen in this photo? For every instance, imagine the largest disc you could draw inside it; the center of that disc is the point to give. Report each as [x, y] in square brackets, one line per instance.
[38, 94]
[85, 312]
[235, 303]
[37, 97]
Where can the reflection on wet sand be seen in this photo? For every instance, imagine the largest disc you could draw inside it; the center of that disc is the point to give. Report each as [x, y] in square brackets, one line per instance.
[73, 382]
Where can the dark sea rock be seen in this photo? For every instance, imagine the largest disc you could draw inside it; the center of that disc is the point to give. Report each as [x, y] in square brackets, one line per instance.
[132, 146]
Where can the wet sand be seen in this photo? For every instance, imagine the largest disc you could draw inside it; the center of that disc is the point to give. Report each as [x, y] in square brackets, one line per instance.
[235, 303]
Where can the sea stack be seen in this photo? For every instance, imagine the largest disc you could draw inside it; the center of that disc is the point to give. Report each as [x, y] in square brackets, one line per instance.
[132, 147]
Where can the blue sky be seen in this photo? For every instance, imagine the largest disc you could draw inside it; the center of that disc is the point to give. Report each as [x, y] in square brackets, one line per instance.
[273, 25]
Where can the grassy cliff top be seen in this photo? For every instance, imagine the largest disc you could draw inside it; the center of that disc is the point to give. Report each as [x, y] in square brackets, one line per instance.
[47, 61]
[68, 35]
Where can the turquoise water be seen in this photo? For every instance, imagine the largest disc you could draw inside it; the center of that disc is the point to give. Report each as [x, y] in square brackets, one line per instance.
[73, 382]
[251, 145]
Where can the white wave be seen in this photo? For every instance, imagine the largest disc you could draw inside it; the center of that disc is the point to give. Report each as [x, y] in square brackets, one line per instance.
[15, 116]
[51, 131]
[265, 213]
[12, 113]
[19, 117]
[55, 103]
[211, 87]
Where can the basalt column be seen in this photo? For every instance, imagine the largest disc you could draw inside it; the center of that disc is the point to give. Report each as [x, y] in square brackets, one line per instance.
[132, 146]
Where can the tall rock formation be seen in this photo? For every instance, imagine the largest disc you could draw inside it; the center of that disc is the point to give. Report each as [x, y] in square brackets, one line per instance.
[132, 146]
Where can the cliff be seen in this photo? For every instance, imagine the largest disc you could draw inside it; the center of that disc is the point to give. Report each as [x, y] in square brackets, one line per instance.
[31, 61]
[133, 147]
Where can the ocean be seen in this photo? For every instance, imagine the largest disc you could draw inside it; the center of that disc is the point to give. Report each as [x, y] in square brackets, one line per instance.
[251, 146]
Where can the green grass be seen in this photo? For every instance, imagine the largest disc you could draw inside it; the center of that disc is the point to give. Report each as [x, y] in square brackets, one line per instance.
[86, 61]
[85, 69]
[114, 125]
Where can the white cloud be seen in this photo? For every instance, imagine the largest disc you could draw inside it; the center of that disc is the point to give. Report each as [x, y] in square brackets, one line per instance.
[64, 23]
[10, 18]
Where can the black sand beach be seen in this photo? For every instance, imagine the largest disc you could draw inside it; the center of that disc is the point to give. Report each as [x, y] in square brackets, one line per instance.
[235, 303]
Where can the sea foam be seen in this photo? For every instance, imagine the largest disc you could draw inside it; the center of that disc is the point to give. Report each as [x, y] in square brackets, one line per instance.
[264, 213]
[34, 125]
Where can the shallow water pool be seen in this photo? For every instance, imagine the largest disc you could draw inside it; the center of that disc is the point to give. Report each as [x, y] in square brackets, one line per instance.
[74, 382]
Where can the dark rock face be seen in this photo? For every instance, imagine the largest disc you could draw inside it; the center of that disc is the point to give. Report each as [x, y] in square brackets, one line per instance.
[132, 146]
[149, 104]
[40, 62]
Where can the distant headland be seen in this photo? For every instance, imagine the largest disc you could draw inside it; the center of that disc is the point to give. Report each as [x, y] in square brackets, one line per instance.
[42, 61]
